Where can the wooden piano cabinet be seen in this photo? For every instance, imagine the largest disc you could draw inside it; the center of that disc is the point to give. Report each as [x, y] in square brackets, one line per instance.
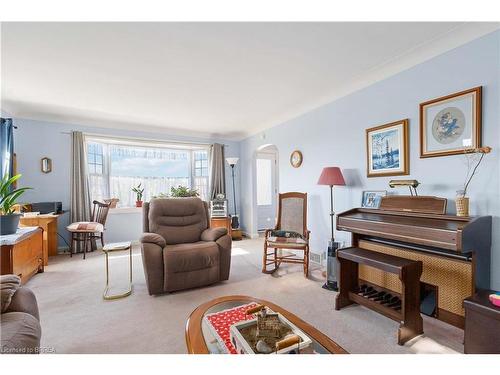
[455, 251]
[23, 258]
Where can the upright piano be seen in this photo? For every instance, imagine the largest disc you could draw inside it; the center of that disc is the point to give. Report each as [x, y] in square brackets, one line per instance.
[454, 251]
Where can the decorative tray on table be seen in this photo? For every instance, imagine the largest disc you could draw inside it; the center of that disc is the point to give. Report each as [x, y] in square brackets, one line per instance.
[256, 329]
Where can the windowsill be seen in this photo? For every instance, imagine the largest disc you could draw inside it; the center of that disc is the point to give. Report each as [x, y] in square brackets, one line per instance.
[125, 210]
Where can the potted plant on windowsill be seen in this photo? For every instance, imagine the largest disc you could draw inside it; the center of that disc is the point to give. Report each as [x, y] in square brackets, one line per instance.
[9, 220]
[139, 193]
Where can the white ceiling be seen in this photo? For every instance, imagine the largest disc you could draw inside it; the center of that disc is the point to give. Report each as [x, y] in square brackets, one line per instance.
[208, 79]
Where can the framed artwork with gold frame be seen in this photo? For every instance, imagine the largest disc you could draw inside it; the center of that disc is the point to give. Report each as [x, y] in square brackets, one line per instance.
[296, 159]
[451, 124]
[387, 150]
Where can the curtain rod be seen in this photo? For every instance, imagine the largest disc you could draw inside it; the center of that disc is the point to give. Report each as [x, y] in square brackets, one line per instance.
[99, 135]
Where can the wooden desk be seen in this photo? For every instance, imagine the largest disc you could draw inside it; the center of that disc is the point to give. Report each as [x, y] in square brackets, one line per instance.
[48, 222]
[22, 253]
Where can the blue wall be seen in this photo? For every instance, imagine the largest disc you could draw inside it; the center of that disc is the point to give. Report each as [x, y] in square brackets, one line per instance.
[334, 135]
[37, 139]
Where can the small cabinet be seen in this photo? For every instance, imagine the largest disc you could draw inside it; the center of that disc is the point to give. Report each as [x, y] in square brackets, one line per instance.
[221, 222]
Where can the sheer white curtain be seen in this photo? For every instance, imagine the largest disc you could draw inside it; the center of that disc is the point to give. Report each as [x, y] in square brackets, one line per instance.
[156, 169]
[116, 168]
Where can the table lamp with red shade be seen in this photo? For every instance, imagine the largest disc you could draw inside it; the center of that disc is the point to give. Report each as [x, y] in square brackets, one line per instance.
[331, 176]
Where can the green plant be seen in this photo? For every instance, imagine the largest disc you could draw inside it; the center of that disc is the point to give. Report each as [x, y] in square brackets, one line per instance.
[183, 191]
[8, 196]
[138, 191]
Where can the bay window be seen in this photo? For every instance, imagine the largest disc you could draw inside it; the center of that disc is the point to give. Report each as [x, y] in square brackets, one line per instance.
[116, 166]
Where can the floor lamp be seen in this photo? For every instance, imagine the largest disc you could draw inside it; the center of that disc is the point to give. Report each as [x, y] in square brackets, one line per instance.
[331, 176]
[235, 224]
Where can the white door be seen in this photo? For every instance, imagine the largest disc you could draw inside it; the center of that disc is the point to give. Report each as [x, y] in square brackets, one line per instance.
[266, 190]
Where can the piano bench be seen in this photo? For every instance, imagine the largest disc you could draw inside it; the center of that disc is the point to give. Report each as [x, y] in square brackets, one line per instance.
[405, 310]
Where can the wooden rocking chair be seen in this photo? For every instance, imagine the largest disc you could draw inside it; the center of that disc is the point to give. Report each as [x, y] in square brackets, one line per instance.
[292, 217]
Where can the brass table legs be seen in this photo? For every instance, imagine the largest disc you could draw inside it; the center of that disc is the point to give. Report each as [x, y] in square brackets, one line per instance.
[117, 247]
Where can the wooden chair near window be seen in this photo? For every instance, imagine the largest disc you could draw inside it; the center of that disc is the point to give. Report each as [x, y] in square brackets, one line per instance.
[86, 232]
[292, 218]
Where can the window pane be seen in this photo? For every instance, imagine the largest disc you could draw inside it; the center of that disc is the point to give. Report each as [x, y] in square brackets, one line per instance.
[264, 182]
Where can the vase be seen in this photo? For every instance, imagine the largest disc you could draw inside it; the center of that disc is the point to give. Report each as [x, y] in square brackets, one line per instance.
[138, 204]
[462, 203]
[9, 223]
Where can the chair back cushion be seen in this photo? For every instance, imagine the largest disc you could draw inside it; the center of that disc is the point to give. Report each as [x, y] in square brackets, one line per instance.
[292, 212]
[178, 220]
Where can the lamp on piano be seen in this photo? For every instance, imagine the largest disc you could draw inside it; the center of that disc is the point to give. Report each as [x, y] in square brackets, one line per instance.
[331, 176]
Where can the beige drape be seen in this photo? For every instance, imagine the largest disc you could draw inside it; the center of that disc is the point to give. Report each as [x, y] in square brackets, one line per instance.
[80, 192]
[217, 170]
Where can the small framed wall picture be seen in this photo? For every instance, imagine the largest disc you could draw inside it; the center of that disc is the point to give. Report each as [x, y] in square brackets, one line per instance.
[372, 198]
[451, 124]
[387, 150]
[296, 159]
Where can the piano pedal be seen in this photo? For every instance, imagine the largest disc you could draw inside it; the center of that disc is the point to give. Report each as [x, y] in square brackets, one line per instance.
[370, 293]
[380, 297]
[362, 289]
[392, 301]
[395, 304]
[377, 296]
[386, 299]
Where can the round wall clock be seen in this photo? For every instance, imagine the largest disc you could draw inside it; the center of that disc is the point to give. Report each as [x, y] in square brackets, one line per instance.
[296, 159]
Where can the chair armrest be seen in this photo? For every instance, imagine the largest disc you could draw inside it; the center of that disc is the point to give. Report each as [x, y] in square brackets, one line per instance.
[24, 300]
[153, 238]
[213, 234]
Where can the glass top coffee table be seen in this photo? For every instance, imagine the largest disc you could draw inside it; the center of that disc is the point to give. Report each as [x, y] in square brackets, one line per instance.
[200, 339]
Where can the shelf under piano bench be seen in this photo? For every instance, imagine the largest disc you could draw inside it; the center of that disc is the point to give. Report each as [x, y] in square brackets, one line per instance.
[408, 271]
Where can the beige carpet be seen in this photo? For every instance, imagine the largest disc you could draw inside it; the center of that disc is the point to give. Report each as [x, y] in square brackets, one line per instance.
[75, 318]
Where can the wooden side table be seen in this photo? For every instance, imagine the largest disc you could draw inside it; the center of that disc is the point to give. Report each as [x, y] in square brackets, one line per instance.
[482, 324]
[108, 248]
[221, 222]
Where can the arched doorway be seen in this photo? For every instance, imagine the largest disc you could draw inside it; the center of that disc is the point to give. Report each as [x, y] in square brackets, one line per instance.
[266, 186]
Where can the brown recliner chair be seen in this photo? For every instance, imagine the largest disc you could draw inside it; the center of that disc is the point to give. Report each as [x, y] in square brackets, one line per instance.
[179, 250]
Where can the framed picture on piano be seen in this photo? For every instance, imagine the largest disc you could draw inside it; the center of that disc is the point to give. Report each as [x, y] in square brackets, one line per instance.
[372, 198]
[387, 152]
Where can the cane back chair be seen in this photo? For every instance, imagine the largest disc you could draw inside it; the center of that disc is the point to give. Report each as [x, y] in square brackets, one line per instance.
[292, 217]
